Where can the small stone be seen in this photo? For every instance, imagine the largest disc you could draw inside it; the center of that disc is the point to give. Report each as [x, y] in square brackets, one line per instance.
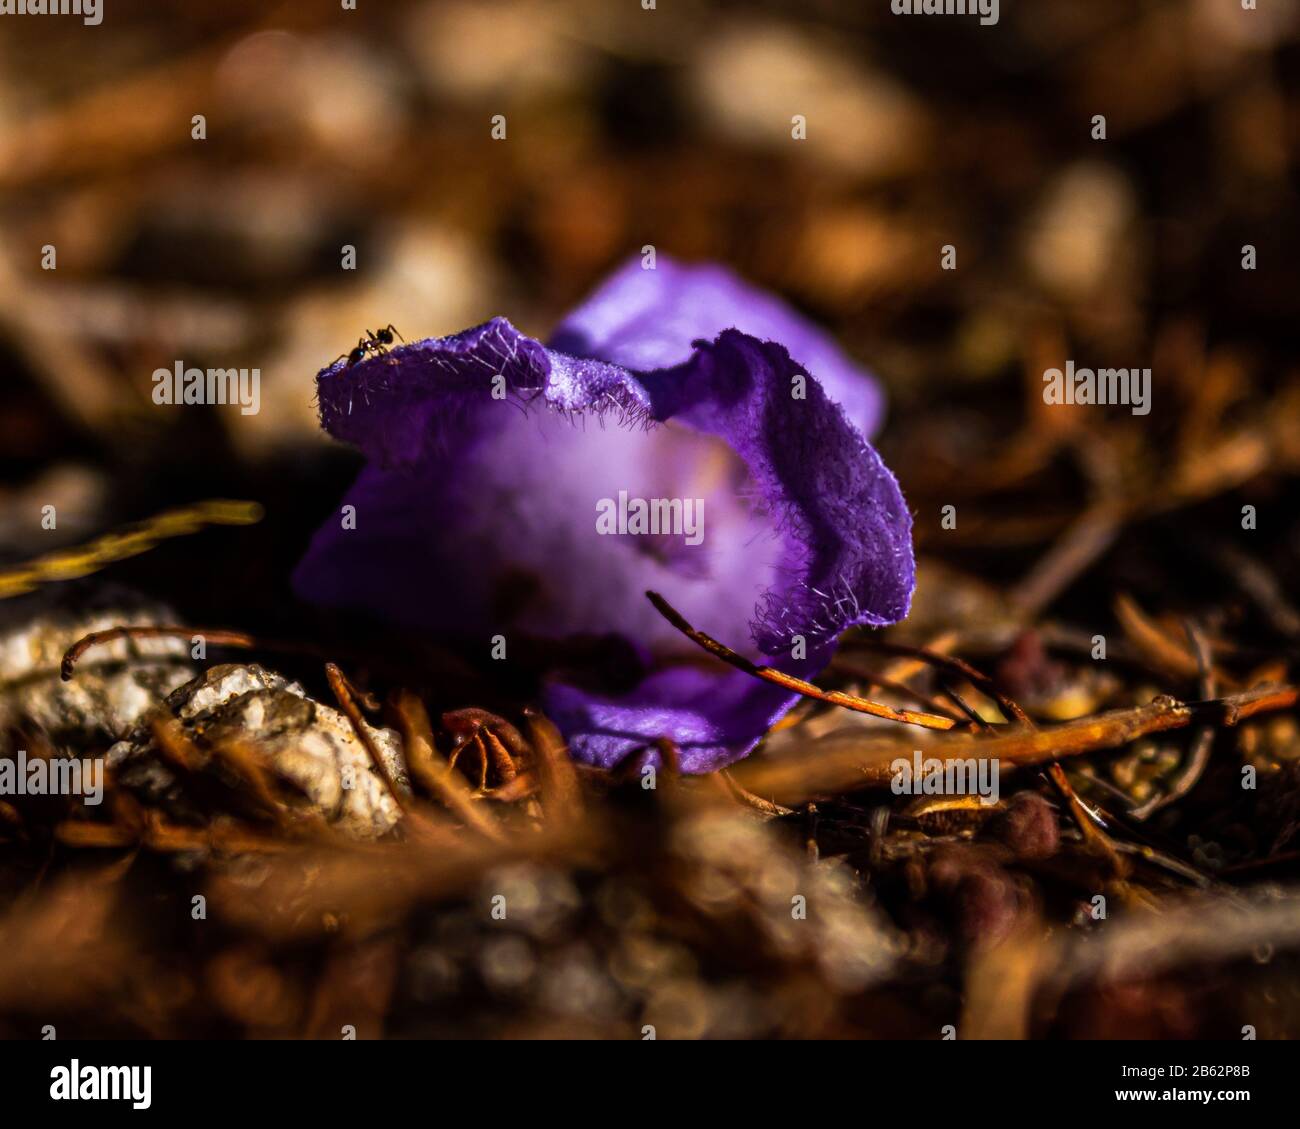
[307, 743]
[115, 683]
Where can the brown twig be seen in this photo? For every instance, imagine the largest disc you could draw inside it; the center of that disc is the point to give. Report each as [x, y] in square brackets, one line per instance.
[1202, 743]
[343, 695]
[1077, 547]
[833, 765]
[520, 788]
[216, 636]
[970, 711]
[789, 682]
[561, 792]
[1161, 652]
[977, 678]
[159, 835]
[746, 797]
[894, 686]
[432, 771]
[670, 754]
[81, 560]
[1259, 583]
[1089, 823]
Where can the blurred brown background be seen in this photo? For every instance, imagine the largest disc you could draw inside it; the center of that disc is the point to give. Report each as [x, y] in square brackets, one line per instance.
[672, 127]
[328, 127]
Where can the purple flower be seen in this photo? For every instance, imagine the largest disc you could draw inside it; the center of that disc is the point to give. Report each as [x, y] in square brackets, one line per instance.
[682, 433]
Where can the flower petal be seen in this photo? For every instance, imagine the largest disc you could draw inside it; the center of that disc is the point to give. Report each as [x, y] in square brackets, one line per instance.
[491, 458]
[650, 319]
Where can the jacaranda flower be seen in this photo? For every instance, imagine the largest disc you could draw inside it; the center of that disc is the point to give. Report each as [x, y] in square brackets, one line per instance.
[680, 433]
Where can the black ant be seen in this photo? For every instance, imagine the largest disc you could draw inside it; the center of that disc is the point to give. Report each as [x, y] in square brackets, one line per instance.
[379, 341]
[354, 357]
[376, 343]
